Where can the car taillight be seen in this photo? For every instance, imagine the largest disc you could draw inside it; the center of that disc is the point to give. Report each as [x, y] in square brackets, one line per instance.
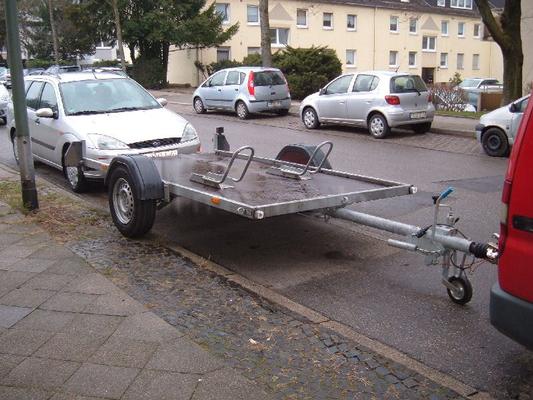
[504, 216]
[251, 88]
[430, 97]
[392, 100]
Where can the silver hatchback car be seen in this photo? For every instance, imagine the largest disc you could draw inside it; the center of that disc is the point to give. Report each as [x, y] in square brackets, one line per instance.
[377, 100]
[244, 90]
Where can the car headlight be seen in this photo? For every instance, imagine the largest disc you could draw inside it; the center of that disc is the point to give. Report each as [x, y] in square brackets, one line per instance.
[103, 142]
[189, 133]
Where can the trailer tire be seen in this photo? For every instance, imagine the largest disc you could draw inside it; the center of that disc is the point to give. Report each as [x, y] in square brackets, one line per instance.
[132, 217]
[464, 291]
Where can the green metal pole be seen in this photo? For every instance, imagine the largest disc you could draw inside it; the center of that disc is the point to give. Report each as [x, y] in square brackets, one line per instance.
[27, 172]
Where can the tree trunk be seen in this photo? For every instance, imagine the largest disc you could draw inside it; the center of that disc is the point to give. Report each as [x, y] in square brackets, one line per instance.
[166, 47]
[513, 61]
[507, 33]
[266, 50]
[119, 35]
[132, 52]
[55, 41]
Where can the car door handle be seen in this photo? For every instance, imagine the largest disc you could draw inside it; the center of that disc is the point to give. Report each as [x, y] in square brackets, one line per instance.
[237, 90]
[523, 223]
[341, 102]
[220, 90]
[37, 121]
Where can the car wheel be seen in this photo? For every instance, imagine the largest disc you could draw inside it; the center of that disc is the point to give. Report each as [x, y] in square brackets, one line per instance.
[283, 112]
[310, 118]
[75, 178]
[4, 120]
[199, 106]
[132, 217]
[378, 126]
[495, 143]
[242, 110]
[14, 143]
[421, 128]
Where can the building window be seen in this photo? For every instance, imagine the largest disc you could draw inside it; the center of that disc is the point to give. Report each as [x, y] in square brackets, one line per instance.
[429, 43]
[279, 37]
[252, 14]
[413, 25]
[475, 61]
[254, 50]
[461, 29]
[301, 18]
[223, 10]
[477, 30]
[441, 3]
[412, 58]
[222, 54]
[351, 22]
[351, 58]
[394, 24]
[466, 4]
[327, 21]
[444, 28]
[460, 60]
[393, 58]
[444, 60]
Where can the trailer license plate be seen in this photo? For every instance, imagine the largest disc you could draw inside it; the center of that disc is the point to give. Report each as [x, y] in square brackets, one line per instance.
[418, 115]
[274, 104]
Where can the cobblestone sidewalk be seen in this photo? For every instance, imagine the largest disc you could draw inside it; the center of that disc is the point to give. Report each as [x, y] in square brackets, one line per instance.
[69, 328]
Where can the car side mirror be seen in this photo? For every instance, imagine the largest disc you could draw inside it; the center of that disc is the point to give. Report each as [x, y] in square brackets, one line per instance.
[322, 91]
[162, 101]
[45, 113]
[513, 108]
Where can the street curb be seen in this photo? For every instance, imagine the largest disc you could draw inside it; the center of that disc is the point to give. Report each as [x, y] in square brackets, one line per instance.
[311, 315]
[341, 329]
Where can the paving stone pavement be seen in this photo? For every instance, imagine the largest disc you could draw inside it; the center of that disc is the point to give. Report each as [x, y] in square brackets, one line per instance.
[108, 317]
[67, 332]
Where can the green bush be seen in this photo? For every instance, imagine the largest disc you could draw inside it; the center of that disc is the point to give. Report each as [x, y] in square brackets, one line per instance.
[106, 63]
[149, 73]
[44, 63]
[307, 70]
[252, 60]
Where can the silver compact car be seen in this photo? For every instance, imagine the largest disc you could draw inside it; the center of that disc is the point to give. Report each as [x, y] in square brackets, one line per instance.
[496, 130]
[112, 114]
[245, 90]
[5, 99]
[376, 100]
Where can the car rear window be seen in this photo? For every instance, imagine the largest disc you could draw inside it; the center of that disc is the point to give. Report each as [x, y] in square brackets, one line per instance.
[268, 78]
[407, 84]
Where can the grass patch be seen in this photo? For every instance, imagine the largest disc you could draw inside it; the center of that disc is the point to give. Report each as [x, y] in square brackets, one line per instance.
[64, 217]
[461, 114]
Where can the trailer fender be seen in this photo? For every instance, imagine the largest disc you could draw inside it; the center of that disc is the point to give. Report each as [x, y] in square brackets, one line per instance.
[147, 181]
[301, 153]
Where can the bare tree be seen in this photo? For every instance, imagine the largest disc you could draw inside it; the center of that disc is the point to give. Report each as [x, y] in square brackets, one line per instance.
[266, 50]
[118, 28]
[506, 32]
[55, 41]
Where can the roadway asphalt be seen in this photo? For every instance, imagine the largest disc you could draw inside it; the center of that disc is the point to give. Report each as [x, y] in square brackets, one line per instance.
[347, 272]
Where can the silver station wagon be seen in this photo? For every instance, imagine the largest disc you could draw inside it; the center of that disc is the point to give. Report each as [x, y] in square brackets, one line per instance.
[376, 100]
[244, 90]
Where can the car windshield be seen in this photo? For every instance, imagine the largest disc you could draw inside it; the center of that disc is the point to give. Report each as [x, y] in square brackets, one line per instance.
[98, 96]
[470, 83]
[268, 78]
[407, 84]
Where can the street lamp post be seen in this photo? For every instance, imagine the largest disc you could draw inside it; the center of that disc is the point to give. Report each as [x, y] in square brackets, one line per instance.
[27, 172]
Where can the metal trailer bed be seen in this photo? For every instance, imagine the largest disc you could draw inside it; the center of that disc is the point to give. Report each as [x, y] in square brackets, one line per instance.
[256, 188]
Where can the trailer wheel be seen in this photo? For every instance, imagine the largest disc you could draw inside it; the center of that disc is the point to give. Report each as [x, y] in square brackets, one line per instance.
[463, 290]
[132, 217]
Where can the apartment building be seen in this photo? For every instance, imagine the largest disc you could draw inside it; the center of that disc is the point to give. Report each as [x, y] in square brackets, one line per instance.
[432, 38]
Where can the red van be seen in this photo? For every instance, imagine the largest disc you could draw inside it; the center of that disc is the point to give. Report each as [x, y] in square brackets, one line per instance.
[511, 299]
